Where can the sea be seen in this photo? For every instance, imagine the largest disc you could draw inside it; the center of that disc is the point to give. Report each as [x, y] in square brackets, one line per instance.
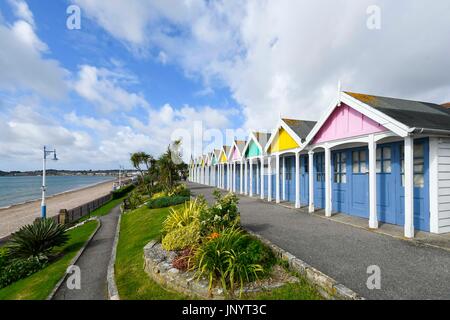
[15, 190]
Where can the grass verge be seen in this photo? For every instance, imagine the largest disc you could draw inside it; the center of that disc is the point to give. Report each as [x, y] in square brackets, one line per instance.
[292, 291]
[137, 229]
[39, 285]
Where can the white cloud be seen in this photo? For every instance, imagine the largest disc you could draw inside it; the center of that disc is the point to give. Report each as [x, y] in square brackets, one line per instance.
[102, 88]
[286, 57]
[25, 33]
[22, 64]
[101, 126]
[276, 57]
[168, 123]
[22, 11]
[25, 130]
[94, 142]
[162, 57]
[112, 16]
[80, 141]
[151, 133]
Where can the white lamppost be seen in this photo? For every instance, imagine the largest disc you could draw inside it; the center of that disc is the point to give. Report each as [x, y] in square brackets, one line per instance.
[120, 175]
[44, 168]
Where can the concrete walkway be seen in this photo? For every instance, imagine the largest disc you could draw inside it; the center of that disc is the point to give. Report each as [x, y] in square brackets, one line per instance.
[93, 263]
[344, 252]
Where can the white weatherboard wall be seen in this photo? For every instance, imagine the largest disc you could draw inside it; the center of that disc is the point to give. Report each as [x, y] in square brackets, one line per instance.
[440, 185]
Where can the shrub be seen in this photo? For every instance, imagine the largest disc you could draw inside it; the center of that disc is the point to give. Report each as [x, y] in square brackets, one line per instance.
[181, 238]
[257, 252]
[180, 190]
[3, 258]
[156, 188]
[18, 269]
[223, 259]
[222, 215]
[183, 261]
[164, 202]
[184, 216]
[135, 199]
[159, 195]
[37, 239]
[122, 191]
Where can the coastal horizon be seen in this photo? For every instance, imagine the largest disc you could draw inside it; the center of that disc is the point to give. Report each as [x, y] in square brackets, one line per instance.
[17, 190]
[18, 215]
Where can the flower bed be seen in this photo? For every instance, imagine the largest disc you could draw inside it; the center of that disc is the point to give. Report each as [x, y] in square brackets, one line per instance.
[205, 243]
[159, 264]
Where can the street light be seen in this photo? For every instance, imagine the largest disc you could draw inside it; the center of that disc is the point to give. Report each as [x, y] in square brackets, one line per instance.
[44, 168]
[120, 171]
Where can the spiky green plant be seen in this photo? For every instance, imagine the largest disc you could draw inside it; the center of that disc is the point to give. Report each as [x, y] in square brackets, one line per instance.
[182, 238]
[184, 216]
[223, 259]
[37, 239]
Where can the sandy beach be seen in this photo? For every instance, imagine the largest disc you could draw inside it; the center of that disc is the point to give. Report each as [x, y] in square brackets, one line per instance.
[11, 219]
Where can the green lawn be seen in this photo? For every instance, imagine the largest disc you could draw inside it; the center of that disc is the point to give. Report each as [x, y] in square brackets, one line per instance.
[290, 291]
[137, 229]
[141, 226]
[39, 285]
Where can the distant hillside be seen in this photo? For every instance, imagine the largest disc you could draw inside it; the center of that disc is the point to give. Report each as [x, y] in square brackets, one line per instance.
[52, 172]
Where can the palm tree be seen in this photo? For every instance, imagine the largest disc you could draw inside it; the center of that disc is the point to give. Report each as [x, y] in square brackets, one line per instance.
[170, 165]
[137, 160]
[152, 169]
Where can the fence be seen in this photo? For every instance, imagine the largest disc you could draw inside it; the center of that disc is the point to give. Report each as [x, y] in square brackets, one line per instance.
[68, 216]
[65, 216]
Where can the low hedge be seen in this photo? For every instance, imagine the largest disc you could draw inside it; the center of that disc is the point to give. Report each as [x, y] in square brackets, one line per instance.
[17, 269]
[122, 191]
[164, 202]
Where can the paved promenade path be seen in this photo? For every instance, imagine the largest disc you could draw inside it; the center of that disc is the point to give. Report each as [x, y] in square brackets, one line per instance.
[343, 252]
[94, 262]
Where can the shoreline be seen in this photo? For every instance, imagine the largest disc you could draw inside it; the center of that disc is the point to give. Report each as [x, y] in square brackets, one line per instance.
[16, 216]
[12, 206]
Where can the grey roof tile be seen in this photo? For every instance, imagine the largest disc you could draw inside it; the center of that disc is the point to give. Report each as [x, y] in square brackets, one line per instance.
[414, 114]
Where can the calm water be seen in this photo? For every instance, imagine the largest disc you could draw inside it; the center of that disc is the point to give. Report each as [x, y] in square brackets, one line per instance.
[15, 190]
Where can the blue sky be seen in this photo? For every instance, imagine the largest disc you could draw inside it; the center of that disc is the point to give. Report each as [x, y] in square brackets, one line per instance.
[141, 72]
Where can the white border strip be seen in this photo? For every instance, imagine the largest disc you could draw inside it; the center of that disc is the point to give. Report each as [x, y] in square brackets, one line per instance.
[113, 293]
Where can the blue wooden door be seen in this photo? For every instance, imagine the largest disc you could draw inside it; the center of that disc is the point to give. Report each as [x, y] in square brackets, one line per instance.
[255, 179]
[266, 186]
[248, 179]
[258, 189]
[304, 180]
[225, 177]
[421, 186]
[340, 168]
[319, 180]
[216, 175]
[238, 177]
[388, 181]
[359, 183]
[274, 187]
[290, 178]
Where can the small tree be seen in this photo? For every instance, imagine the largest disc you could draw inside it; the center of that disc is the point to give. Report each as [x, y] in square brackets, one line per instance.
[152, 170]
[170, 166]
[137, 160]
